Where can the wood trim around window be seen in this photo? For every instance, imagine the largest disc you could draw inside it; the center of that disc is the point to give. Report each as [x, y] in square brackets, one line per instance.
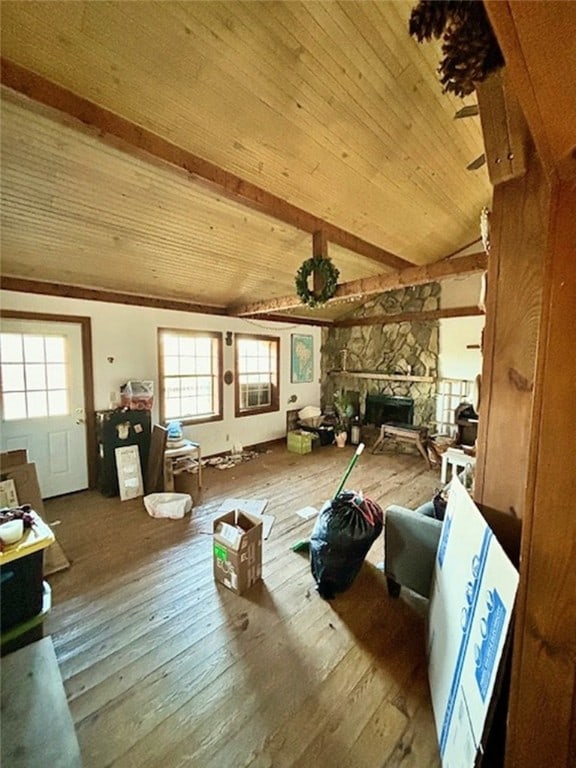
[217, 335]
[275, 404]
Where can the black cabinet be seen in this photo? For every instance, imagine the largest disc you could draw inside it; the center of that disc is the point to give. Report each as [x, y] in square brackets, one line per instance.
[116, 429]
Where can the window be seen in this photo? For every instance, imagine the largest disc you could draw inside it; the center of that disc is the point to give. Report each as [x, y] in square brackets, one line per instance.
[449, 394]
[257, 364]
[190, 380]
[35, 376]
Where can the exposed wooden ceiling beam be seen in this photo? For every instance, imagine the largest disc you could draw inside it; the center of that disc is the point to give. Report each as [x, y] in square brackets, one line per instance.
[23, 285]
[104, 124]
[294, 320]
[369, 286]
[401, 317]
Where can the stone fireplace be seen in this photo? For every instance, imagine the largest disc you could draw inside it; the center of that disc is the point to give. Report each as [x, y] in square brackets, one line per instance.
[395, 360]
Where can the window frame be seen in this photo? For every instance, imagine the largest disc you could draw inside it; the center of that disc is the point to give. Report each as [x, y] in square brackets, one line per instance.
[275, 383]
[216, 337]
[27, 387]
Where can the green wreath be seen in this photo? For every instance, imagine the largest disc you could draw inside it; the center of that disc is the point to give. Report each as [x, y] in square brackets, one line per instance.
[329, 274]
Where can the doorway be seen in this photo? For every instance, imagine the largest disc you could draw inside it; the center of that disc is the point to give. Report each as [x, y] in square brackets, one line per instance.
[47, 397]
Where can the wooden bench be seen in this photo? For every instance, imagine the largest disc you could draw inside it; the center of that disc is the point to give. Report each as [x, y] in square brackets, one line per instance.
[408, 433]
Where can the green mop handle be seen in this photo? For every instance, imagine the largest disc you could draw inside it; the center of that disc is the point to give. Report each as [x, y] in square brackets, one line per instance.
[353, 461]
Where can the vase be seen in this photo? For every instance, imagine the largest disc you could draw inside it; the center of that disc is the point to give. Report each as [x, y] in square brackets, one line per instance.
[340, 439]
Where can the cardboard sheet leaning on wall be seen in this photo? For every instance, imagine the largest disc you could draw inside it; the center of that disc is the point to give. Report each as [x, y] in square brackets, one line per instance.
[14, 465]
[471, 605]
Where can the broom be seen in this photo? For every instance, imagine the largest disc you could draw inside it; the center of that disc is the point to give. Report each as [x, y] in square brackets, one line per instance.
[304, 544]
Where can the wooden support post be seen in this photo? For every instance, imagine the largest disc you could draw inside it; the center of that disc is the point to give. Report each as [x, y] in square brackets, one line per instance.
[513, 305]
[527, 428]
[319, 251]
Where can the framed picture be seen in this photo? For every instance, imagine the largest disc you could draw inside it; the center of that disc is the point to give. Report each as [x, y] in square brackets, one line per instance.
[302, 369]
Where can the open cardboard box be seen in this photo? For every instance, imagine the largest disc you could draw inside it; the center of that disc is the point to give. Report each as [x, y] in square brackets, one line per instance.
[237, 549]
[14, 465]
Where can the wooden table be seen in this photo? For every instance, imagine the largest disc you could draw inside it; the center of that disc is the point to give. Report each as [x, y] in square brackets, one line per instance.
[456, 457]
[408, 433]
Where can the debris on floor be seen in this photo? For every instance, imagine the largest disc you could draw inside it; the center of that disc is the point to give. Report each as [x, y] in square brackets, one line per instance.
[232, 459]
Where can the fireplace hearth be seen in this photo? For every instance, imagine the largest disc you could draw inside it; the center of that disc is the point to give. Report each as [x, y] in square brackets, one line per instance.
[388, 409]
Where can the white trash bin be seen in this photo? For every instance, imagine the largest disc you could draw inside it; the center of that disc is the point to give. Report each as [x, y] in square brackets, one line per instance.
[172, 505]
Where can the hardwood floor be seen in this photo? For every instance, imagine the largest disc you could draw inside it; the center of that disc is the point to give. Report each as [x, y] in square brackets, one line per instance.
[162, 667]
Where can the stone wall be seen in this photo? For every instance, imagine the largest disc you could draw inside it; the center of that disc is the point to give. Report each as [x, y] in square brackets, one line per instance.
[396, 349]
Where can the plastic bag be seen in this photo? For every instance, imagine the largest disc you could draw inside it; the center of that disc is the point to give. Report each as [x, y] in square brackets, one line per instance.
[172, 505]
[345, 529]
[137, 395]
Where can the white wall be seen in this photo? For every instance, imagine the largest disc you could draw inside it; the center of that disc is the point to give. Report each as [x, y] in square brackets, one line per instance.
[455, 360]
[129, 335]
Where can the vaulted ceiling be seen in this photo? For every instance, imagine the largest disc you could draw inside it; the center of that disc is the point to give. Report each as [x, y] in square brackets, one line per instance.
[186, 151]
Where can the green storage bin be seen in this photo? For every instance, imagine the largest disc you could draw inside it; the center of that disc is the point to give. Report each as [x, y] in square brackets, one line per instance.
[300, 442]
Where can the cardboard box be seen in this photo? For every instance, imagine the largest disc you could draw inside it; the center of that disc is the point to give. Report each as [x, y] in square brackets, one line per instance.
[28, 492]
[26, 482]
[299, 442]
[8, 495]
[13, 458]
[237, 548]
[186, 482]
[471, 605]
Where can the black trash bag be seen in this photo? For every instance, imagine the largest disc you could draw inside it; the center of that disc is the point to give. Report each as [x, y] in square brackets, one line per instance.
[345, 529]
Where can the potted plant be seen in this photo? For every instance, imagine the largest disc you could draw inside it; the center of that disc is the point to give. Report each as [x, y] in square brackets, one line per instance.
[340, 434]
[344, 410]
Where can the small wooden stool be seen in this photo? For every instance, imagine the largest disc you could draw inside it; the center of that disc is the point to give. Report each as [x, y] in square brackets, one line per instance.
[418, 436]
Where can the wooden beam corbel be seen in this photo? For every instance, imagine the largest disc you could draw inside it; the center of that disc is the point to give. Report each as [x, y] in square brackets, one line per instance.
[503, 127]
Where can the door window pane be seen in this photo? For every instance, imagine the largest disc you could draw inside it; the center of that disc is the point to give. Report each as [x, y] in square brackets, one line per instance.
[56, 376]
[12, 377]
[35, 376]
[55, 349]
[58, 402]
[37, 404]
[34, 349]
[14, 405]
[11, 348]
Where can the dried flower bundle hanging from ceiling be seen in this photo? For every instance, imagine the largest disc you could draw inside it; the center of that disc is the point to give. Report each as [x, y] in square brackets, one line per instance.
[470, 48]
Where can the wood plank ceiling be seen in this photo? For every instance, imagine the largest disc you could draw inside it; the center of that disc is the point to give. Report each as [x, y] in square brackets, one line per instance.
[330, 107]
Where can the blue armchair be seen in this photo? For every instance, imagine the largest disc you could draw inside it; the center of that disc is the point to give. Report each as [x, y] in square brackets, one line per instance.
[411, 540]
[410, 543]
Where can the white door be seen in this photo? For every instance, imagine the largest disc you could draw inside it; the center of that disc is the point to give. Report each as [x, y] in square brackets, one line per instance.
[42, 387]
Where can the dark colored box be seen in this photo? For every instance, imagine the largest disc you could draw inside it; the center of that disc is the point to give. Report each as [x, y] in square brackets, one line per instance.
[20, 590]
[324, 433]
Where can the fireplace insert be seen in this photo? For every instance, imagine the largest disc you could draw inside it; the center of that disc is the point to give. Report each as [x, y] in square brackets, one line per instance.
[388, 409]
